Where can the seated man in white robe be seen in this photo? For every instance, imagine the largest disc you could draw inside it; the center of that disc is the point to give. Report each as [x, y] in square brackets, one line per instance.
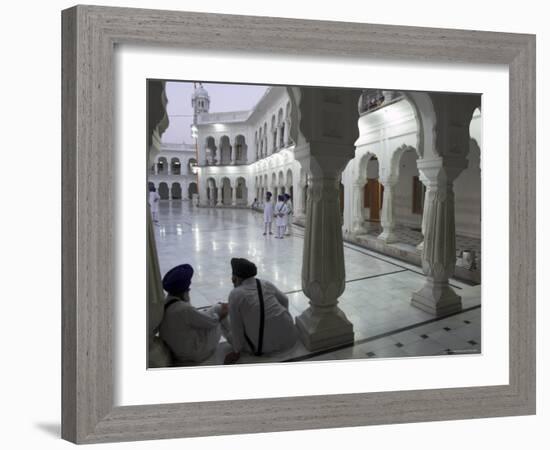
[191, 335]
[258, 315]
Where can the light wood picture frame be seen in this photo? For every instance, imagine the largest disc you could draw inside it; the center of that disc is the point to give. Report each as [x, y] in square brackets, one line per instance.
[89, 35]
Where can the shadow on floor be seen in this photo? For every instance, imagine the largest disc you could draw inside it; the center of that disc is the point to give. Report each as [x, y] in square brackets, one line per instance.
[53, 429]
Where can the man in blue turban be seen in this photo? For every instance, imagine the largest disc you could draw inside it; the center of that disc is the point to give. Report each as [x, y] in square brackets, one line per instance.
[191, 335]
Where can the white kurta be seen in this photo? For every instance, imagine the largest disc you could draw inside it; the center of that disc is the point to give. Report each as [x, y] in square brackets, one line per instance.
[244, 316]
[192, 335]
[154, 198]
[268, 211]
[281, 214]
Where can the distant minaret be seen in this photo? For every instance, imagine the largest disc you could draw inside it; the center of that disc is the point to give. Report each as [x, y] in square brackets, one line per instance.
[200, 101]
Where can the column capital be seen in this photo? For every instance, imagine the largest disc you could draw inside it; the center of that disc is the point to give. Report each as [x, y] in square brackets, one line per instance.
[323, 159]
[441, 170]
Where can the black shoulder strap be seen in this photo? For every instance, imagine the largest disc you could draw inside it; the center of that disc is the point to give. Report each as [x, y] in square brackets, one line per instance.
[171, 302]
[262, 318]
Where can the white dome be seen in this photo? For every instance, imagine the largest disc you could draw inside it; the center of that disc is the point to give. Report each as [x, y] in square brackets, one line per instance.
[200, 92]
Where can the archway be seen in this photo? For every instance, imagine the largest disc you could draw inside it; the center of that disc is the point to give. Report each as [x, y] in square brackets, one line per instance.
[467, 187]
[274, 185]
[211, 192]
[281, 183]
[176, 191]
[289, 184]
[280, 129]
[242, 191]
[192, 189]
[211, 157]
[225, 150]
[191, 164]
[273, 134]
[226, 191]
[241, 149]
[374, 191]
[264, 134]
[409, 190]
[162, 166]
[175, 166]
[163, 191]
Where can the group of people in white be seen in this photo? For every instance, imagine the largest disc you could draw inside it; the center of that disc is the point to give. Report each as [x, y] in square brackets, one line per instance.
[281, 212]
[255, 319]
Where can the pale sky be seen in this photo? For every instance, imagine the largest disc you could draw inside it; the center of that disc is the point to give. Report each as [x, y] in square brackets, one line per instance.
[223, 97]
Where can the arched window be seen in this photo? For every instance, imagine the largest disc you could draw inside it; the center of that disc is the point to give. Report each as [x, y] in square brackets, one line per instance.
[175, 166]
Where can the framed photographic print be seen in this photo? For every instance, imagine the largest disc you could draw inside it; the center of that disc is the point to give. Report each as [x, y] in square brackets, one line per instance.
[296, 218]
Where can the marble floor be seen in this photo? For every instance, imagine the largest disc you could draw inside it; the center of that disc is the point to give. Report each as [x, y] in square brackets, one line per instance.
[376, 299]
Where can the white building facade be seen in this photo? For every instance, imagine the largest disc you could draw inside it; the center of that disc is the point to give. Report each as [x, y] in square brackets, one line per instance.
[244, 154]
[173, 171]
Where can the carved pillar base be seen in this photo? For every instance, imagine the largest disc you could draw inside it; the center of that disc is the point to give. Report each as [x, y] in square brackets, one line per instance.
[359, 227]
[319, 330]
[388, 236]
[436, 298]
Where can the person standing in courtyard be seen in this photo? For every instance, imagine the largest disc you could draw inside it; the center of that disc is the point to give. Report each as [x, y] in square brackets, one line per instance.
[190, 334]
[281, 216]
[268, 213]
[153, 200]
[288, 203]
[259, 320]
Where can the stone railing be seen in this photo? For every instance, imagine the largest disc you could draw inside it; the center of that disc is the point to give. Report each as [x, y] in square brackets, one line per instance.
[222, 117]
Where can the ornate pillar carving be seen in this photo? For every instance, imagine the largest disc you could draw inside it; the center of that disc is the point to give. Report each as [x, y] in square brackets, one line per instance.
[358, 221]
[387, 219]
[439, 247]
[324, 324]
[446, 138]
[324, 128]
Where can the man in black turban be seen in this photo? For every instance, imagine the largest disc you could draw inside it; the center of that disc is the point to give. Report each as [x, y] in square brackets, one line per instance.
[258, 314]
[243, 269]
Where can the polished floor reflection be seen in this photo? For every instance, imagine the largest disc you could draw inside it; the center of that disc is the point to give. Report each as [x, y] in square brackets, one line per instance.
[376, 299]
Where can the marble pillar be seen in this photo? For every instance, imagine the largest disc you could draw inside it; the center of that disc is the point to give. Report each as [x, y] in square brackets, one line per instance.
[358, 221]
[438, 226]
[297, 202]
[220, 197]
[234, 194]
[303, 210]
[387, 217]
[323, 324]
